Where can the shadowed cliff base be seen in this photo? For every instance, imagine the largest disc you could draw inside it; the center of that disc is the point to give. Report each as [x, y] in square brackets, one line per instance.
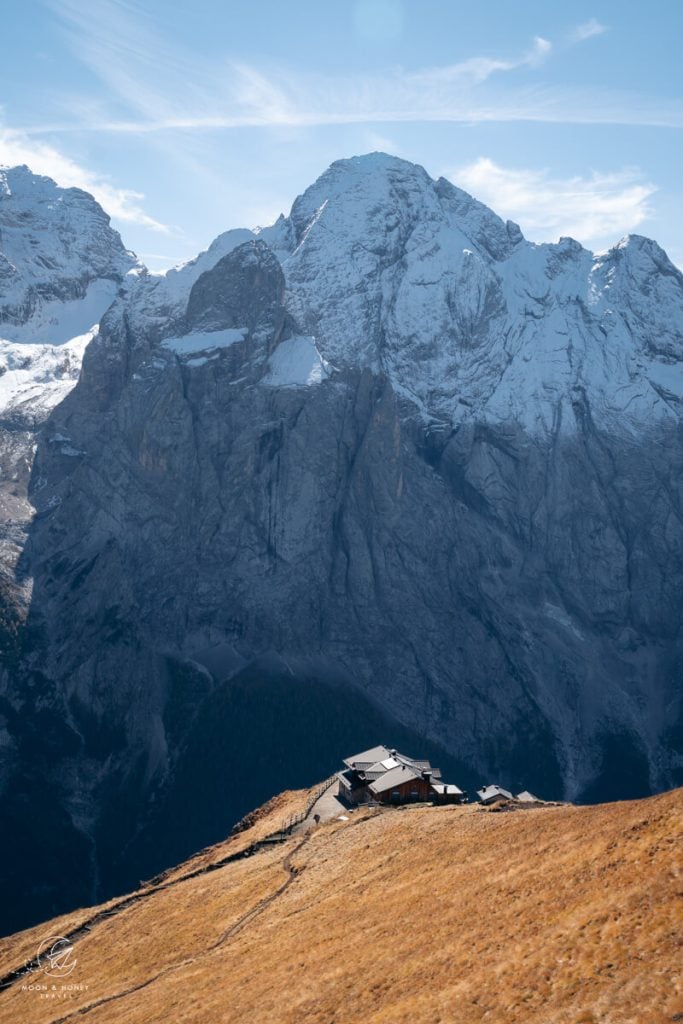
[261, 731]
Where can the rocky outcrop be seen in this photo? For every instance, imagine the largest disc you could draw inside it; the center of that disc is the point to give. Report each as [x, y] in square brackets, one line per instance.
[54, 244]
[61, 266]
[413, 459]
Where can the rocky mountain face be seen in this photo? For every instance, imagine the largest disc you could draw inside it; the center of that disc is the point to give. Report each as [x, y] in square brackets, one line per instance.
[385, 461]
[61, 265]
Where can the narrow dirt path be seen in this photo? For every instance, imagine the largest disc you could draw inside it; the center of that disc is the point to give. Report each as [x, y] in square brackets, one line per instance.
[85, 927]
[247, 918]
[29, 966]
[242, 922]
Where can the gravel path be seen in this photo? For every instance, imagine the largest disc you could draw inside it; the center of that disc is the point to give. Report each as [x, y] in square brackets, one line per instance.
[328, 806]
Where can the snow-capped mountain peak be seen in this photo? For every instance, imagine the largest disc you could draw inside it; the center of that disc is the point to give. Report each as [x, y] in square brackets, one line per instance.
[53, 243]
[61, 266]
[392, 270]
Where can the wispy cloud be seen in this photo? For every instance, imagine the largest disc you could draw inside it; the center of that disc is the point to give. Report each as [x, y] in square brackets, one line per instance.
[125, 48]
[586, 30]
[592, 209]
[300, 100]
[42, 158]
[477, 69]
[155, 85]
[286, 101]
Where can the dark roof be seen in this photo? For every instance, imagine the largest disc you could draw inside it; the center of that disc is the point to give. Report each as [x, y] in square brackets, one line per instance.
[350, 780]
[379, 768]
[367, 757]
[420, 763]
[395, 777]
[493, 793]
[446, 787]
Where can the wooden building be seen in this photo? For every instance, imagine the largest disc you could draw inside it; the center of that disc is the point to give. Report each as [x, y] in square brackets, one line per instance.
[402, 784]
[383, 775]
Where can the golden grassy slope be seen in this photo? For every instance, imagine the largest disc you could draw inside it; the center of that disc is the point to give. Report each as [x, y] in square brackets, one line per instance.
[556, 915]
[21, 947]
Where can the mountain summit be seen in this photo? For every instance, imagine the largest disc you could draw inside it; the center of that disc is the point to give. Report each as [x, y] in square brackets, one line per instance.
[383, 461]
[55, 244]
[469, 319]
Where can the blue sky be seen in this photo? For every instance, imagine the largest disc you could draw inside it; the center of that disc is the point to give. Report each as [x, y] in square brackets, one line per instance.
[186, 118]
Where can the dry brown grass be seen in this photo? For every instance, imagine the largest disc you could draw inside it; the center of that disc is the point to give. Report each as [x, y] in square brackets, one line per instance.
[262, 822]
[18, 948]
[559, 915]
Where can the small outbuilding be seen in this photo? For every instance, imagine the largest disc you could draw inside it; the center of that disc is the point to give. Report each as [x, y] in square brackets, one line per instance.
[447, 793]
[492, 794]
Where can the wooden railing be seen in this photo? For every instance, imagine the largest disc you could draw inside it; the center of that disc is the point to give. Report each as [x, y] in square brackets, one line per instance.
[296, 819]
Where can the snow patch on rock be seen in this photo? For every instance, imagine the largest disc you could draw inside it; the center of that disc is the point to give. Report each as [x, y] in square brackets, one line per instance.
[296, 362]
[204, 341]
[58, 321]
